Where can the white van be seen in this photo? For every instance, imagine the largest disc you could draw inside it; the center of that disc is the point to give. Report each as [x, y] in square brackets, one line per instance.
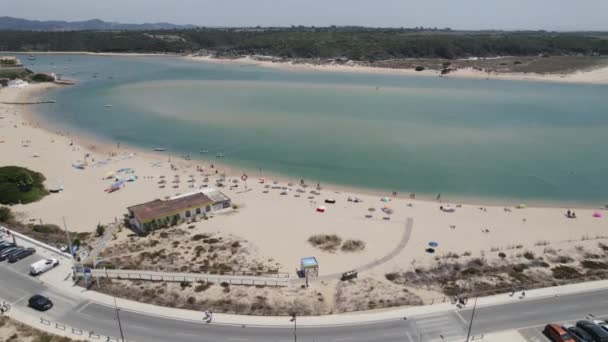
[42, 266]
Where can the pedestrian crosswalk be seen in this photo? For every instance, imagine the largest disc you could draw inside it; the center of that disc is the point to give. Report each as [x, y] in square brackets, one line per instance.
[445, 327]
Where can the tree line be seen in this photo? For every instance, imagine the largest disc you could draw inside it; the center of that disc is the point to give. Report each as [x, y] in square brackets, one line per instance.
[359, 45]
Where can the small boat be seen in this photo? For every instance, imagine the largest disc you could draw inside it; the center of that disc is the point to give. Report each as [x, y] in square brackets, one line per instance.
[160, 149]
[187, 157]
[108, 105]
[219, 155]
[204, 151]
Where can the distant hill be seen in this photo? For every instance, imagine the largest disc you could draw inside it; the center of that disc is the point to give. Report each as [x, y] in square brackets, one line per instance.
[18, 24]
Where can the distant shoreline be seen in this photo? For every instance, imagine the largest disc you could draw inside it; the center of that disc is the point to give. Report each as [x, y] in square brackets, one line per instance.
[598, 75]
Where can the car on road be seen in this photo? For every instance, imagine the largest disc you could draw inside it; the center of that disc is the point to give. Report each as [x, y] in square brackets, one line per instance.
[6, 252]
[42, 266]
[40, 303]
[598, 334]
[21, 254]
[579, 334]
[557, 334]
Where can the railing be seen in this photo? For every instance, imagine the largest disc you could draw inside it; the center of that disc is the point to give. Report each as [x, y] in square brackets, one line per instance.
[188, 277]
[66, 330]
[35, 242]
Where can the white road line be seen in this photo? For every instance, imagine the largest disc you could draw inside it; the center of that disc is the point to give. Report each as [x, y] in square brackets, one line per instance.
[409, 337]
[84, 307]
[461, 318]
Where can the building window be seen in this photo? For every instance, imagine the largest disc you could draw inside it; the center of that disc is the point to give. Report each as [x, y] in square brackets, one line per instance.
[187, 213]
[198, 211]
[207, 208]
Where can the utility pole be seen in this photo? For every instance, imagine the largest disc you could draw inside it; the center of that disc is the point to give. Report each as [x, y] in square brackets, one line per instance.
[122, 336]
[295, 327]
[67, 234]
[472, 317]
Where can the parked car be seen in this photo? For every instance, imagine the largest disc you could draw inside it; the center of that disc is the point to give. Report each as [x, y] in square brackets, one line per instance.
[601, 324]
[22, 254]
[40, 303]
[6, 245]
[598, 334]
[557, 334]
[579, 334]
[5, 253]
[42, 266]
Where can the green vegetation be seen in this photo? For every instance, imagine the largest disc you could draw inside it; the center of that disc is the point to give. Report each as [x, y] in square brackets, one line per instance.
[20, 185]
[14, 74]
[6, 215]
[42, 78]
[100, 229]
[355, 43]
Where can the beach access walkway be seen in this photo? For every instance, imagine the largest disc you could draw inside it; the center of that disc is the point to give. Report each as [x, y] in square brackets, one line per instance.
[280, 279]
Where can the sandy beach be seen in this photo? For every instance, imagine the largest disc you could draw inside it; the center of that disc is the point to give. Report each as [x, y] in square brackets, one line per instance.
[289, 218]
[596, 76]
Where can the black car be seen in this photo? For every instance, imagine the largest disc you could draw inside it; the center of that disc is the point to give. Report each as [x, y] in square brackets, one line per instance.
[21, 254]
[6, 245]
[598, 334]
[40, 303]
[579, 334]
[6, 252]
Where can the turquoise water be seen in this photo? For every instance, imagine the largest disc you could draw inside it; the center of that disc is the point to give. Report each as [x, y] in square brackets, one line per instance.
[462, 138]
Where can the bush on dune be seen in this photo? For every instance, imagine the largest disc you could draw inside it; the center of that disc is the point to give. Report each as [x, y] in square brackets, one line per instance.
[20, 185]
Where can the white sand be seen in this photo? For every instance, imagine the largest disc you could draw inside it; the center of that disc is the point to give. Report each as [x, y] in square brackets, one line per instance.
[597, 76]
[279, 225]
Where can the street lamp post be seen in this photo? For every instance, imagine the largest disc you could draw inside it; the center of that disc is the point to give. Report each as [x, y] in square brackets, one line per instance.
[472, 317]
[122, 336]
[295, 327]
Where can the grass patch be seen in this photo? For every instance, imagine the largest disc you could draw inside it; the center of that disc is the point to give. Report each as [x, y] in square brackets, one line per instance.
[20, 185]
[594, 265]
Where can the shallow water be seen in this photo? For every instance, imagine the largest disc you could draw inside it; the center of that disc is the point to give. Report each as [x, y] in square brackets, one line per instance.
[465, 138]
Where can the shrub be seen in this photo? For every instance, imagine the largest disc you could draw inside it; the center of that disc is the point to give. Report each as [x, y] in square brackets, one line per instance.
[502, 255]
[20, 185]
[565, 272]
[594, 265]
[46, 228]
[353, 246]
[100, 229]
[202, 287]
[328, 243]
[6, 215]
[42, 78]
[191, 300]
[184, 284]
[529, 255]
[419, 68]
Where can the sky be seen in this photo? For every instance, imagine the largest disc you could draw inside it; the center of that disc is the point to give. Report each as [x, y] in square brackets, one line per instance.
[560, 15]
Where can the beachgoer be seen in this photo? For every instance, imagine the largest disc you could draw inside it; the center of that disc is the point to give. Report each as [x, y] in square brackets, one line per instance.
[568, 214]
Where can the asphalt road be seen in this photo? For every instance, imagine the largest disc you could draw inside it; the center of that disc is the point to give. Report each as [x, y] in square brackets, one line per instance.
[528, 316]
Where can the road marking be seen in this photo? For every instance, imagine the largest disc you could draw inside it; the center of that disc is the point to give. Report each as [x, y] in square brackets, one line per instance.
[409, 337]
[82, 306]
[461, 318]
[20, 299]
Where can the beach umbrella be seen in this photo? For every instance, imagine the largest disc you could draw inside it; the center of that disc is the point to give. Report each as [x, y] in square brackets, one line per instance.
[597, 214]
[521, 206]
[430, 250]
[371, 209]
[433, 244]
[290, 184]
[321, 209]
[385, 199]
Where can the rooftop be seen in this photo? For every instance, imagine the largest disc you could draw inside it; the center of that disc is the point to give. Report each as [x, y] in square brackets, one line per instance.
[159, 208]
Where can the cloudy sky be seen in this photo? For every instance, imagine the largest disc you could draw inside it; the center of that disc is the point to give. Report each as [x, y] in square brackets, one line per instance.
[457, 14]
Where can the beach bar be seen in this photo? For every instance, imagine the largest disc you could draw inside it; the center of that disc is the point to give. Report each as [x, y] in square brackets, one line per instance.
[164, 213]
[309, 267]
